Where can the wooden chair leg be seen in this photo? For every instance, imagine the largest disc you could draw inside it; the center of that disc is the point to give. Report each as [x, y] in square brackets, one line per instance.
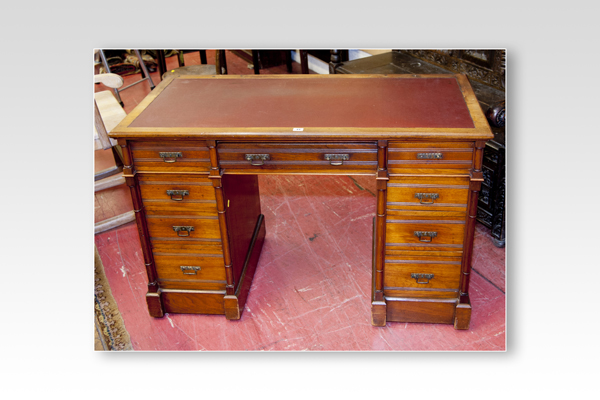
[304, 61]
[255, 62]
[288, 61]
[221, 62]
[162, 64]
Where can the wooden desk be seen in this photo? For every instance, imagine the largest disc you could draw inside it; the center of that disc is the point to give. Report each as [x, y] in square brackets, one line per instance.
[194, 146]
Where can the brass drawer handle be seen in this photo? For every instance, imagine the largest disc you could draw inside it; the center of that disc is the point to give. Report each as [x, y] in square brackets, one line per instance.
[191, 270]
[337, 159]
[179, 193]
[424, 236]
[170, 157]
[257, 159]
[422, 276]
[432, 196]
[430, 156]
[180, 229]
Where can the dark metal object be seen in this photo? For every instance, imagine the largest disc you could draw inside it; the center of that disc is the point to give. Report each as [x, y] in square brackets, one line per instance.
[417, 277]
[337, 159]
[496, 114]
[180, 193]
[485, 66]
[186, 229]
[432, 196]
[430, 156]
[424, 235]
[194, 270]
[260, 157]
[170, 157]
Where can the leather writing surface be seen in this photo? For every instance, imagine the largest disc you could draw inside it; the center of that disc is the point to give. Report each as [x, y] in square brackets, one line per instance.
[302, 103]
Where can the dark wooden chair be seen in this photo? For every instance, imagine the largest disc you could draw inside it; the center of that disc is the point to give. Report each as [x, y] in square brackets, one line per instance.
[142, 65]
[220, 67]
[108, 113]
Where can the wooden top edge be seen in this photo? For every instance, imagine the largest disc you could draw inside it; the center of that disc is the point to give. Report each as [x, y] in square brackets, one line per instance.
[481, 131]
[315, 76]
[286, 134]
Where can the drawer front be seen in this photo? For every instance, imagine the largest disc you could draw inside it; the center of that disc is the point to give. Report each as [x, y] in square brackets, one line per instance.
[176, 156]
[177, 194]
[424, 233]
[424, 155]
[189, 267]
[419, 293]
[183, 228]
[424, 274]
[435, 311]
[303, 157]
[427, 193]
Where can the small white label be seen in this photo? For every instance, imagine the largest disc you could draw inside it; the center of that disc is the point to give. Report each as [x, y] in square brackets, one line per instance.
[298, 129]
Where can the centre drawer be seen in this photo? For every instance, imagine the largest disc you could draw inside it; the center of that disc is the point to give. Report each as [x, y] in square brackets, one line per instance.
[305, 157]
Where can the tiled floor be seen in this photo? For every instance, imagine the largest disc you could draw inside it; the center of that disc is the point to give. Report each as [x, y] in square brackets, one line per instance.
[311, 290]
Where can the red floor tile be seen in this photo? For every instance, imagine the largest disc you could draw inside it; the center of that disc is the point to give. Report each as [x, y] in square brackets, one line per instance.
[307, 294]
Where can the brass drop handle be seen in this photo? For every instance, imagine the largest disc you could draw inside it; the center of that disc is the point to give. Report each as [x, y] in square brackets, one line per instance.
[430, 156]
[424, 236]
[179, 193]
[418, 278]
[257, 159]
[181, 229]
[188, 270]
[422, 196]
[337, 159]
[170, 157]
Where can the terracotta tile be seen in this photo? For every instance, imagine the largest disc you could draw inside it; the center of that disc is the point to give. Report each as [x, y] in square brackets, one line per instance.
[111, 202]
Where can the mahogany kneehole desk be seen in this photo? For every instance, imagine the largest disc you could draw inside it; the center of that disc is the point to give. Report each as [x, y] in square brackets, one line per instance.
[194, 147]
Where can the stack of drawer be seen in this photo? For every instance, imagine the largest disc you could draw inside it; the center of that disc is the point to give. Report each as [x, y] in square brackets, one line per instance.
[182, 222]
[426, 215]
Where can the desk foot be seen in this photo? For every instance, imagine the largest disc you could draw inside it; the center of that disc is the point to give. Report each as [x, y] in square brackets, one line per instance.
[462, 316]
[378, 313]
[154, 302]
[232, 308]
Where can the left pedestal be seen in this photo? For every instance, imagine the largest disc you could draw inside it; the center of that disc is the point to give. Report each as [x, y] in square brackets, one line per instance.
[201, 233]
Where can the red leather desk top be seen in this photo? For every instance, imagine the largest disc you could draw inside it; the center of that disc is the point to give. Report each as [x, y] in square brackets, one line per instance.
[298, 103]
